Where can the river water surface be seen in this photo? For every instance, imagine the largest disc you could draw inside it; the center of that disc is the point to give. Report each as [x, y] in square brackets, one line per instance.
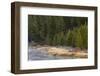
[38, 54]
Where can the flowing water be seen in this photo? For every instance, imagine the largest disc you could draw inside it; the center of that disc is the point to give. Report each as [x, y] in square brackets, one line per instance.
[38, 54]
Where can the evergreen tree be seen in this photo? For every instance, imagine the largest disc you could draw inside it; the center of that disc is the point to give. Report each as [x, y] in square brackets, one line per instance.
[58, 30]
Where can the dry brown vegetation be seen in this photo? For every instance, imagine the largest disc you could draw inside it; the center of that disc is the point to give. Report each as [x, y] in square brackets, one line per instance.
[58, 51]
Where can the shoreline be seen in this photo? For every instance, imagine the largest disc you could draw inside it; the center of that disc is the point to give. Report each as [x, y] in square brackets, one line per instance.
[62, 51]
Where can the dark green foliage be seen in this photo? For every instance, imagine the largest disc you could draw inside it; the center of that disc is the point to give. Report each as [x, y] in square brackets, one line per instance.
[58, 30]
[81, 37]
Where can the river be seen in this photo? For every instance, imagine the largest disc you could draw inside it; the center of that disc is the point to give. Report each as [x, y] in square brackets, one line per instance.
[36, 54]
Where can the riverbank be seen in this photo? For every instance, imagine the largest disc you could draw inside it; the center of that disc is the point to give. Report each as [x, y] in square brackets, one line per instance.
[62, 51]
